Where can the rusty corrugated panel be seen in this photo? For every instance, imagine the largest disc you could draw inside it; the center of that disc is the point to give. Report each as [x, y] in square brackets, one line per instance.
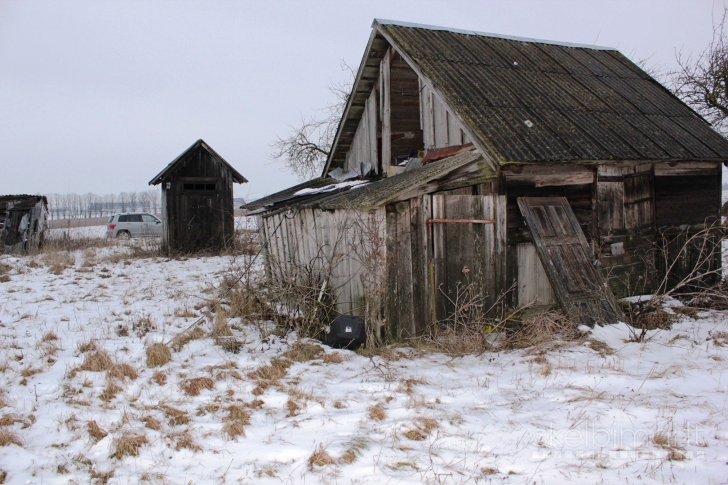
[439, 153]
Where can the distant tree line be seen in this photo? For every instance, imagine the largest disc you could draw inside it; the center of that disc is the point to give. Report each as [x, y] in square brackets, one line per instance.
[81, 206]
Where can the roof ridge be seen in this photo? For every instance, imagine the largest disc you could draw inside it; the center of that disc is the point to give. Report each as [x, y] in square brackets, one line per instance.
[490, 34]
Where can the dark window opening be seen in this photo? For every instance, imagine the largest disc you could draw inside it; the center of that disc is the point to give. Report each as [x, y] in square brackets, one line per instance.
[199, 186]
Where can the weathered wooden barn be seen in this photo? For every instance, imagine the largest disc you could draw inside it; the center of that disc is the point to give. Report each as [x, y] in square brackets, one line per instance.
[23, 221]
[197, 200]
[532, 169]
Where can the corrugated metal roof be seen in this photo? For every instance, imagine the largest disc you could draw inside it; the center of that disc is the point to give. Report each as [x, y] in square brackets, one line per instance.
[287, 194]
[585, 102]
[374, 194]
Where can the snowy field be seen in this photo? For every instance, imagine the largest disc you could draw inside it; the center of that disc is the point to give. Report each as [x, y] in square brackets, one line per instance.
[81, 405]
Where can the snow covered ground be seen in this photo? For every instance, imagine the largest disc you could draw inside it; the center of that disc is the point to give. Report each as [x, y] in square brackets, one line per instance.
[602, 410]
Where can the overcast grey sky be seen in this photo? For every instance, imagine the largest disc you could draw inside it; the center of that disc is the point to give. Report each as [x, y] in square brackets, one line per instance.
[99, 96]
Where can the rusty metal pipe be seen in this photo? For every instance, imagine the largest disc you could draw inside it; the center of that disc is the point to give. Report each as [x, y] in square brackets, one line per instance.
[461, 221]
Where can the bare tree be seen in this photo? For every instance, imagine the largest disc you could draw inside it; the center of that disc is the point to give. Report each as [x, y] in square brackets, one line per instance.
[702, 81]
[306, 147]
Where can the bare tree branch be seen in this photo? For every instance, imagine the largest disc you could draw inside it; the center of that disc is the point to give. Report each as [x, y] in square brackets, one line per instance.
[306, 147]
[702, 81]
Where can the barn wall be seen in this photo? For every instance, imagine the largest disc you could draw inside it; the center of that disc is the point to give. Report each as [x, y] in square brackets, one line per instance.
[625, 215]
[364, 146]
[687, 200]
[198, 220]
[341, 245]
[431, 266]
[573, 182]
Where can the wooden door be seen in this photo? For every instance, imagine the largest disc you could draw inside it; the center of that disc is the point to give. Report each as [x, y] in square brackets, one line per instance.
[564, 252]
[201, 222]
[467, 266]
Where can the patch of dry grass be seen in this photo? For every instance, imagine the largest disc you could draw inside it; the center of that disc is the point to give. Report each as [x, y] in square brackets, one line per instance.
[110, 391]
[303, 352]
[332, 358]
[377, 412]
[319, 458]
[97, 361]
[8, 438]
[235, 421]
[353, 452]
[389, 353]
[86, 346]
[58, 261]
[195, 333]
[95, 431]
[183, 439]
[220, 326]
[160, 378]
[128, 444]
[543, 329]
[193, 387]
[175, 416]
[49, 337]
[122, 371]
[151, 422]
[158, 354]
[184, 312]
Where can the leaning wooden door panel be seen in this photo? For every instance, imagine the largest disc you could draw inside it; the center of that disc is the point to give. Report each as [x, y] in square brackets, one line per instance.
[564, 252]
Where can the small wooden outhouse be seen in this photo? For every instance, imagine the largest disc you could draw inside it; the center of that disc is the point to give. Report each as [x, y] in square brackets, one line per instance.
[533, 172]
[197, 200]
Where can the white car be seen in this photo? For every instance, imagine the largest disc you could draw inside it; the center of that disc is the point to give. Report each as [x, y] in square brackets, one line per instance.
[133, 224]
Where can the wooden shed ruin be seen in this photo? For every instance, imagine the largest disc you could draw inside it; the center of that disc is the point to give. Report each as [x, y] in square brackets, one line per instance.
[197, 200]
[528, 170]
[23, 221]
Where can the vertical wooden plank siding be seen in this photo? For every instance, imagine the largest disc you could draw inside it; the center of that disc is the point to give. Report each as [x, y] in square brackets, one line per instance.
[440, 123]
[364, 145]
[404, 269]
[427, 116]
[384, 91]
[610, 200]
[468, 260]
[533, 282]
[454, 133]
[439, 127]
[418, 235]
[392, 310]
[372, 117]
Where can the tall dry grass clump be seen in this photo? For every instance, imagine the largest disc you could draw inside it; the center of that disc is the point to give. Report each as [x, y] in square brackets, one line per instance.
[319, 458]
[8, 438]
[542, 329]
[128, 444]
[235, 421]
[158, 354]
[97, 361]
[194, 386]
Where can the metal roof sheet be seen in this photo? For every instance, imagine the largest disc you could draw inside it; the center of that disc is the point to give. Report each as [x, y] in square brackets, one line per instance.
[586, 103]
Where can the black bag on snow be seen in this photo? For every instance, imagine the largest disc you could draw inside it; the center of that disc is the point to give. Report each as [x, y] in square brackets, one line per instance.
[346, 332]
